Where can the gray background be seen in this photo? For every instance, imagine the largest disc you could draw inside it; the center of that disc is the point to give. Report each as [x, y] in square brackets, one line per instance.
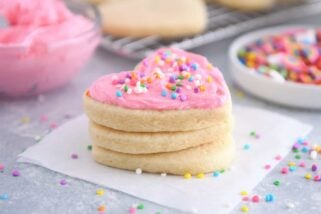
[37, 190]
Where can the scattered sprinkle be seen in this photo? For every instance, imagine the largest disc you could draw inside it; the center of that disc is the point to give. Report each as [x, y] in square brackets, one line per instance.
[292, 168]
[74, 156]
[102, 208]
[163, 174]
[216, 174]
[4, 197]
[290, 205]
[140, 206]
[1, 167]
[277, 183]
[187, 175]
[132, 210]
[25, 119]
[244, 193]
[308, 176]
[200, 175]
[100, 192]
[291, 163]
[302, 164]
[314, 167]
[317, 178]
[15, 173]
[119, 93]
[313, 155]
[267, 166]
[245, 209]
[256, 199]
[297, 157]
[89, 147]
[246, 146]
[63, 182]
[164, 93]
[278, 157]
[284, 170]
[139, 171]
[269, 198]
[53, 125]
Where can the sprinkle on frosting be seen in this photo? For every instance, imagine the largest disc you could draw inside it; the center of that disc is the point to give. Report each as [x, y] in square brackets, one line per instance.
[168, 79]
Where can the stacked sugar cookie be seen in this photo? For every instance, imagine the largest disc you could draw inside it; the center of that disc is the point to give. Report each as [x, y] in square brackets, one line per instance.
[171, 114]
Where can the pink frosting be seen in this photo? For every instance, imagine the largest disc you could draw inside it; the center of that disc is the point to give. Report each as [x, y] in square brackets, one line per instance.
[168, 79]
[39, 21]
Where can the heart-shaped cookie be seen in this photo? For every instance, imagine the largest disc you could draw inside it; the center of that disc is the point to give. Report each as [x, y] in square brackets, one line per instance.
[163, 18]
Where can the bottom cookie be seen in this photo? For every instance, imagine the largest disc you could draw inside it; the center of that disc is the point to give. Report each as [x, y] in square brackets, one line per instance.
[201, 159]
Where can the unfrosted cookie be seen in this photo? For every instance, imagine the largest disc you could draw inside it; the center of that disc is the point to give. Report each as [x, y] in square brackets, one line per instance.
[201, 159]
[171, 90]
[144, 143]
[247, 5]
[163, 18]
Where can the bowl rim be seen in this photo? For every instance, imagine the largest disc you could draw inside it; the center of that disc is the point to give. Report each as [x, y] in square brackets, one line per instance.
[93, 30]
[254, 35]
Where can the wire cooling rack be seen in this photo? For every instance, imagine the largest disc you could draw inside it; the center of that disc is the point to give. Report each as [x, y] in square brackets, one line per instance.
[222, 23]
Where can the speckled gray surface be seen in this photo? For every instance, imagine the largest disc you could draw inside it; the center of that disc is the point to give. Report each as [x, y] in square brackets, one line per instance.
[37, 190]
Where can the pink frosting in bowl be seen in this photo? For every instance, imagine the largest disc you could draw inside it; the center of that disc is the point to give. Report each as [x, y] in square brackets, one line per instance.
[44, 45]
[168, 79]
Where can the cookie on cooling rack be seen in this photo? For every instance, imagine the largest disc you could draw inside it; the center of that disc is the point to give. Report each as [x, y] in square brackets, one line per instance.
[162, 18]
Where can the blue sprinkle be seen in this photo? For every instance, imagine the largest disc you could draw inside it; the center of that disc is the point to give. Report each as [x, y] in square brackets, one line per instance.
[164, 93]
[301, 140]
[194, 66]
[292, 168]
[246, 146]
[174, 96]
[119, 94]
[4, 197]
[216, 174]
[269, 198]
[191, 79]
[304, 150]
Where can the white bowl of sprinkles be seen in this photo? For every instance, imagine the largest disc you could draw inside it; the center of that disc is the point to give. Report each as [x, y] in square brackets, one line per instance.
[275, 85]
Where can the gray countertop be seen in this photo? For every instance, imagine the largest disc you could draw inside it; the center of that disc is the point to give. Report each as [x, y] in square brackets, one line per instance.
[37, 190]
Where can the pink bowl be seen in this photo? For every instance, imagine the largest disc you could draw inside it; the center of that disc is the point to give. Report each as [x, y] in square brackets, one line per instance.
[24, 73]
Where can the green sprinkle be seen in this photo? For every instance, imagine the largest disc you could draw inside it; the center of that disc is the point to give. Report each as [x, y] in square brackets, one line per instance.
[180, 77]
[179, 84]
[298, 157]
[222, 171]
[126, 88]
[89, 147]
[253, 133]
[140, 206]
[173, 88]
[277, 183]
[142, 85]
[242, 52]
[295, 150]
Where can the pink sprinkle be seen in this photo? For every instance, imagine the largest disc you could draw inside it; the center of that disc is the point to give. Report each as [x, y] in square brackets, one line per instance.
[257, 136]
[53, 125]
[245, 198]
[44, 118]
[63, 182]
[302, 164]
[305, 143]
[114, 82]
[74, 156]
[284, 170]
[256, 199]
[15, 173]
[267, 166]
[278, 157]
[317, 178]
[1, 167]
[132, 210]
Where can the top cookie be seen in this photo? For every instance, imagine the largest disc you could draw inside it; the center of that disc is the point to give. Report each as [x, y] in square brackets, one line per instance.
[170, 79]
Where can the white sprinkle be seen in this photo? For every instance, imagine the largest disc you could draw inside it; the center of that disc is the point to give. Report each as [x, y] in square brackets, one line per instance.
[313, 155]
[139, 171]
[163, 174]
[129, 91]
[290, 205]
[198, 76]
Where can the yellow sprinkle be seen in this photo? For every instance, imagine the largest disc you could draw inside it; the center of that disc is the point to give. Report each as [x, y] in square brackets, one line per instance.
[250, 56]
[244, 208]
[209, 66]
[250, 64]
[202, 88]
[187, 175]
[100, 192]
[240, 93]
[291, 163]
[244, 193]
[200, 175]
[308, 176]
[25, 119]
[102, 208]
[209, 79]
